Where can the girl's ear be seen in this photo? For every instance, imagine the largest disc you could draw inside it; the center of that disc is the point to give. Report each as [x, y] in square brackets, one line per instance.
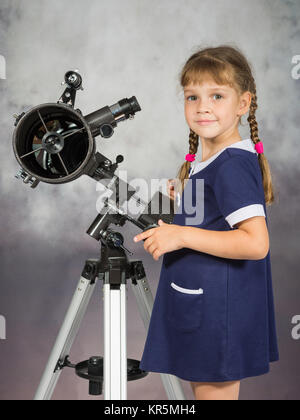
[245, 102]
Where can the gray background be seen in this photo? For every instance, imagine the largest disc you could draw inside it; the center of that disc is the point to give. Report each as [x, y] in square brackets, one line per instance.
[124, 48]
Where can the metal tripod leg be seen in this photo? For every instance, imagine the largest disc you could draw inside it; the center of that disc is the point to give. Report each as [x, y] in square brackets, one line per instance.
[115, 343]
[145, 302]
[65, 338]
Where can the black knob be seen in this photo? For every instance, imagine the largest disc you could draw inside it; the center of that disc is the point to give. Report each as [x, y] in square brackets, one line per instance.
[95, 368]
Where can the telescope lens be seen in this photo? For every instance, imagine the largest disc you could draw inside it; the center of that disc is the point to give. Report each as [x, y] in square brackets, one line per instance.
[135, 106]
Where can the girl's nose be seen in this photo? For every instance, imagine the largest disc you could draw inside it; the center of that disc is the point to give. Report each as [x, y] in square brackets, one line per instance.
[203, 106]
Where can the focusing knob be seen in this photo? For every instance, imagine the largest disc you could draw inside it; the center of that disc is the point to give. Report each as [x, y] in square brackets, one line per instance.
[106, 130]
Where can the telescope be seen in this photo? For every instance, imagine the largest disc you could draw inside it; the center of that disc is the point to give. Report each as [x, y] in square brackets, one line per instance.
[54, 143]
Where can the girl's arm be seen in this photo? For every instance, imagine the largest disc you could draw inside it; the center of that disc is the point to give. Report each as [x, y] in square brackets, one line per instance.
[249, 242]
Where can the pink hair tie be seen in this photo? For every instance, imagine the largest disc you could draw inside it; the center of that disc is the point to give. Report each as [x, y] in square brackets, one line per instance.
[259, 147]
[190, 158]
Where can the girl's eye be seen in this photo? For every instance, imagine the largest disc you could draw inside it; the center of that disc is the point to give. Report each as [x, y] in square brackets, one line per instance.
[192, 98]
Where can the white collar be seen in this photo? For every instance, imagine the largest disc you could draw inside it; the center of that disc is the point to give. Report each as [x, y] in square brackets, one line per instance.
[246, 144]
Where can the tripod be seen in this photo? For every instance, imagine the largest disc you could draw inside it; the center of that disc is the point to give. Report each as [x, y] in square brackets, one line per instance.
[114, 269]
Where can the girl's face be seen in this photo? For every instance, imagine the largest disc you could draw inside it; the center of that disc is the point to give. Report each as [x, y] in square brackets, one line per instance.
[212, 110]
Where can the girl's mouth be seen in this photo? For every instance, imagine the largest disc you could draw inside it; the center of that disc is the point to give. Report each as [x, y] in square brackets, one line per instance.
[205, 122]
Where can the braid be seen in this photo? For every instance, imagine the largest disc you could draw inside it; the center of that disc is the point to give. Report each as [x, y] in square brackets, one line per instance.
[194, 142]
[252, 119]
[183, 173]
[263, 163]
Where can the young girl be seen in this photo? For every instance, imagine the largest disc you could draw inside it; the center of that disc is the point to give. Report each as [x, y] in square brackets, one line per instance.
[213, 320]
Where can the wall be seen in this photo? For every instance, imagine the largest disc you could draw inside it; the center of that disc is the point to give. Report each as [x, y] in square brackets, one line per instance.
[125, 48]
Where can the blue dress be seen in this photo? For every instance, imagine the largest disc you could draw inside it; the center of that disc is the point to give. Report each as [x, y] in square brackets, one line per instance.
[213, 318]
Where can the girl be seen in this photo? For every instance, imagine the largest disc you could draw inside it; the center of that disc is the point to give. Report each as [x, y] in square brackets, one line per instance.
[213, 320]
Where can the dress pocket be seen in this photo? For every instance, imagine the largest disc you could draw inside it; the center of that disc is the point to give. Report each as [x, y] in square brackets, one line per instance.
[185, 308]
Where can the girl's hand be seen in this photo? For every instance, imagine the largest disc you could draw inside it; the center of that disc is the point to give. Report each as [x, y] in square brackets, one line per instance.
[165, 238]
[171, 188]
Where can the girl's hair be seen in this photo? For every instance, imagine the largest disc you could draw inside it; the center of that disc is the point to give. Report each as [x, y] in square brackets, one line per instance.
[227, 66]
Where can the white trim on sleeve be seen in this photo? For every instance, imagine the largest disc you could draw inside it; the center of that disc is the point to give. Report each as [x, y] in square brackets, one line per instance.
[245, 213]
